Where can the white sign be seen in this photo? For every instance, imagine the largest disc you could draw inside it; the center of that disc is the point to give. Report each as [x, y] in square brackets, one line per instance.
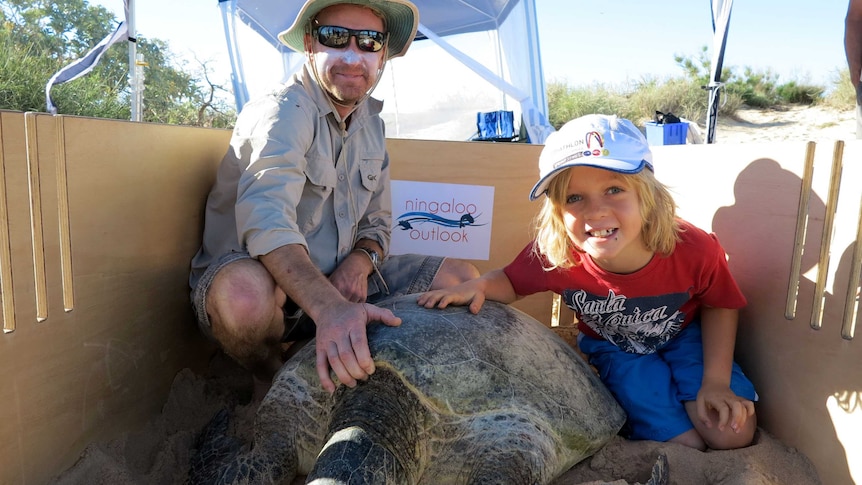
[442, 219]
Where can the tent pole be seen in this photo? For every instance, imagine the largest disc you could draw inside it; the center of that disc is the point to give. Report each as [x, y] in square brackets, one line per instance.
[720, 23]
[134, 87]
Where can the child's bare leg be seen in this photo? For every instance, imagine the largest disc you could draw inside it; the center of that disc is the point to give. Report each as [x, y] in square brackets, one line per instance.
[690, 438]
[722, 440]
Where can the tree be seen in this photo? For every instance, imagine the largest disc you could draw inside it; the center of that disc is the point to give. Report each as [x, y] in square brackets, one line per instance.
[38, 37]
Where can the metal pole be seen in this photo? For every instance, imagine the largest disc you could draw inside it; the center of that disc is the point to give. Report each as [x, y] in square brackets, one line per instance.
[134, 87]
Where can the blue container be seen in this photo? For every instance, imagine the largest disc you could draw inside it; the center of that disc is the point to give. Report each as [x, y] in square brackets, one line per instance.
[495, 126]
[666, 133]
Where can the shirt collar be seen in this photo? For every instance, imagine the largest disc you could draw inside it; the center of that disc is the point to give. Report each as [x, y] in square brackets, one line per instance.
[371, 106]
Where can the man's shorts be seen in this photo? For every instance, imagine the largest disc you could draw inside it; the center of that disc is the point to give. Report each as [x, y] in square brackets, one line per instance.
[402, 274]
[652, 388]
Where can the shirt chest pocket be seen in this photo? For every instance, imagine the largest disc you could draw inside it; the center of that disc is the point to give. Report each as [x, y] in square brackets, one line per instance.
[321, 180]
[321, 175]
[370, 170]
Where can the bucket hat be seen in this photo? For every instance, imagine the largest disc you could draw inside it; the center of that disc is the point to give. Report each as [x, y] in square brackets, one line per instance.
[600, 141]
[401, 16]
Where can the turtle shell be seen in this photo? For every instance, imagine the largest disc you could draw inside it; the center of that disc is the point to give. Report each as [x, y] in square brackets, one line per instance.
[499, 359]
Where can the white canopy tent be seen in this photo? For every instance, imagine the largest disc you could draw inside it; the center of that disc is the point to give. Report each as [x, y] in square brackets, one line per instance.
[497, 40]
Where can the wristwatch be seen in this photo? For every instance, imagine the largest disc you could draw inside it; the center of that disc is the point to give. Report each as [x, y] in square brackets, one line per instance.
[372, 255]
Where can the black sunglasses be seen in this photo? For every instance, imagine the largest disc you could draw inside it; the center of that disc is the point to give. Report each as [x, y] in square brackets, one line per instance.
[339, 37]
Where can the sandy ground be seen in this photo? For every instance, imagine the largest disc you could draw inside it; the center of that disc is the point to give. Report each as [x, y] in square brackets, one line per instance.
[160, 453]
[792, 123]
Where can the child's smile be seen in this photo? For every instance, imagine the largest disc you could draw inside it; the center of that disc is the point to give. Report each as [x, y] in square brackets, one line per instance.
[602, 217]
[602, 232]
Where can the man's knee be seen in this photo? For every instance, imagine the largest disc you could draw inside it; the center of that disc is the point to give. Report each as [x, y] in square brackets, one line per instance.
[241, 302]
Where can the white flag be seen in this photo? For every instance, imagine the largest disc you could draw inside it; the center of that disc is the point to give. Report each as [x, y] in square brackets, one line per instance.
[85, 64]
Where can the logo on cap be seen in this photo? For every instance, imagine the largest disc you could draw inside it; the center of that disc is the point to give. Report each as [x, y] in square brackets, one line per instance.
[595, 135]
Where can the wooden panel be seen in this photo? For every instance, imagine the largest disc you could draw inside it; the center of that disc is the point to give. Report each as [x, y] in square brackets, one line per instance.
[511, 168]
[11, 147]
[749, 196]
[119, 211]
[119, 208]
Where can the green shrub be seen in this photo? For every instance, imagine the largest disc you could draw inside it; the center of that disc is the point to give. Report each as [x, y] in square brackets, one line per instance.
[842, 95]
[566, 103]
[685, 98]
[756, 88]
[794, 93]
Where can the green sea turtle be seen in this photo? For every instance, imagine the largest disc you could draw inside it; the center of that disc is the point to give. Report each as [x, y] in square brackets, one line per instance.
[493, 398]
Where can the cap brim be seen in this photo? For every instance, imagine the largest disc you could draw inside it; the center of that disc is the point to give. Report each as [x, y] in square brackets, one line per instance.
[606, 163]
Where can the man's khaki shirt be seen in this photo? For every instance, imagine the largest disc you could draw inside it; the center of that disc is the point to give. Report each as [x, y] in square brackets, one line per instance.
[292, 176]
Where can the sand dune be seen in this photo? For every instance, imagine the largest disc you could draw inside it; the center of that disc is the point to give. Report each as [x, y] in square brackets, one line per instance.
[792, 123]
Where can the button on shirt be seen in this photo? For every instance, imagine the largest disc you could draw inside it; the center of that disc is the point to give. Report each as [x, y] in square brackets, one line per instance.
[293, 176]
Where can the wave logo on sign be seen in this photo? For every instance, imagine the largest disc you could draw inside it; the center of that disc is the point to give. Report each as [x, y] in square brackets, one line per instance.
[407, 220]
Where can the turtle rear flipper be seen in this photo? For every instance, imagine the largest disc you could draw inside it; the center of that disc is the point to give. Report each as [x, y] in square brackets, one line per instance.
[374, 437]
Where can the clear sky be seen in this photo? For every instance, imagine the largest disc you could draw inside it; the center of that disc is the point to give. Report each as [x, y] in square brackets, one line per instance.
[597, 41]
[585, 41]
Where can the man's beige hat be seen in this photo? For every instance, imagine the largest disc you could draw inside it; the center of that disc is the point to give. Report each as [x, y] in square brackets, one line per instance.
[402, 21]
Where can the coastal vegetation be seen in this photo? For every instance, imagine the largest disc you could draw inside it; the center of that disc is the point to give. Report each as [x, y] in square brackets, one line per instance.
[39, 37]
[685, 95]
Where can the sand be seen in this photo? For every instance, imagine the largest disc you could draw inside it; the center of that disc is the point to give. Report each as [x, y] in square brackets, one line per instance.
[791, 123]
[160, 452]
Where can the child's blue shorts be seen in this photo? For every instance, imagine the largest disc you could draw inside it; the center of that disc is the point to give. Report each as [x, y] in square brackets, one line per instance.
[653, 387]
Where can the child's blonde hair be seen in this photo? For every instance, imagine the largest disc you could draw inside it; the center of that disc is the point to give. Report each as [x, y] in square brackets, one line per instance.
[660, 231]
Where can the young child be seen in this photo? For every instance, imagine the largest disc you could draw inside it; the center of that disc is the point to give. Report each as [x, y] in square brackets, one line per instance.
[656, 304]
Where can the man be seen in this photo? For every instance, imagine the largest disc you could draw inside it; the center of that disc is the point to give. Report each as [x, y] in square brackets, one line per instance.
[853, 49]
[297, 225]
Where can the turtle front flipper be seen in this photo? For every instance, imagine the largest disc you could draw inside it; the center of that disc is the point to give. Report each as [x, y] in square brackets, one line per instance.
[215, 450]
[374, 436]
[221, 460]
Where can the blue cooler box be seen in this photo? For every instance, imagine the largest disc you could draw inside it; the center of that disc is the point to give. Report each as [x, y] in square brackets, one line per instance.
[666, 133]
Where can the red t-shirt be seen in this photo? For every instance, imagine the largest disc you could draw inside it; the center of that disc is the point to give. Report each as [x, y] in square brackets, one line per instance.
[641, 311]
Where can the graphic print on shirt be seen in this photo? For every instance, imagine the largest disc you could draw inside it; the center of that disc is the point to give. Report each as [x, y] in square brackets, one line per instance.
[636, 325]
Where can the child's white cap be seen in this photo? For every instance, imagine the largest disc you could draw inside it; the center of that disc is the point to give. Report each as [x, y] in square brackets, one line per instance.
[600, 141]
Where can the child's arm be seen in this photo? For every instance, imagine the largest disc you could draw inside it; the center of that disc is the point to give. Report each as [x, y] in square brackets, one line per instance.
[719, 338]
[494, 285]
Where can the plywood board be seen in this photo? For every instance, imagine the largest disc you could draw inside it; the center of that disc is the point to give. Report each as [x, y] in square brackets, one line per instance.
[749, 196]
[102, 316]
[95, 274]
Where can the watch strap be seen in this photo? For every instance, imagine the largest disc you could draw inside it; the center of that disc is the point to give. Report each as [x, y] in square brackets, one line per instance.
[375, 262]
[372, 255]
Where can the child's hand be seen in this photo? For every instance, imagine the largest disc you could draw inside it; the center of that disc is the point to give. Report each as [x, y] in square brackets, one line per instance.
[718, 405]
[463, 294]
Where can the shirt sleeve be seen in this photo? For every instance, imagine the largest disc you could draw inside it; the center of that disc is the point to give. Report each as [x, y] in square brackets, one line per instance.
[526, 272]
[718, 287]
[272, 138]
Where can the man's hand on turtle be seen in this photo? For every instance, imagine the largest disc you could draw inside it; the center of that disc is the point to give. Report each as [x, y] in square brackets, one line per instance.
[342, 342]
